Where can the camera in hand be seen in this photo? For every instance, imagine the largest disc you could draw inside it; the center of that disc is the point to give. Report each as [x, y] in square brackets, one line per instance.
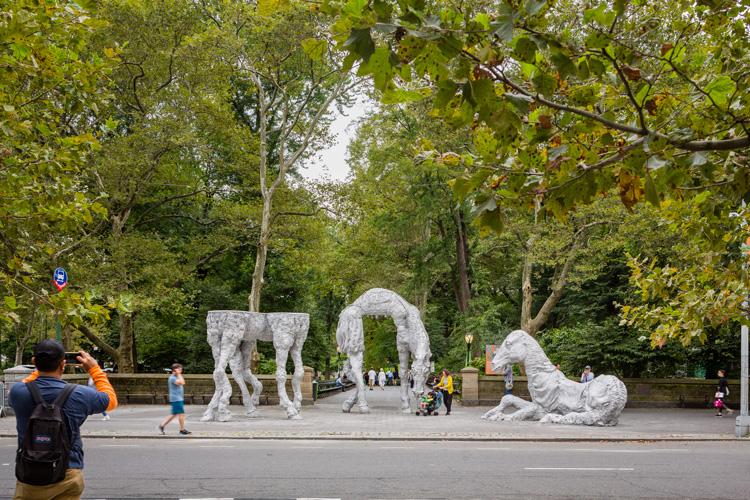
[71, 358]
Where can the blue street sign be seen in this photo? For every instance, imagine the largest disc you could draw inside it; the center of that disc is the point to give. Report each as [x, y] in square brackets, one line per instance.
[61, 278]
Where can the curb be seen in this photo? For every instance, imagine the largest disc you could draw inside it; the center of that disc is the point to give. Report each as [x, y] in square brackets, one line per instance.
[480, 439]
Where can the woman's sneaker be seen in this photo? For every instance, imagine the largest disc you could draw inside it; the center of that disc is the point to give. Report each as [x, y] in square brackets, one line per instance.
[160, 429]
[185, 431]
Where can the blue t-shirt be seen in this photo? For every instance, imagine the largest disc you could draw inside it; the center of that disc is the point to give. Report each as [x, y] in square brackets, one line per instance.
[176, 392]
[83, 401]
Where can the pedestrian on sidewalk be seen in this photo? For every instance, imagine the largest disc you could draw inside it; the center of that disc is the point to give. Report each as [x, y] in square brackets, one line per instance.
[93, 385]
[371, 377]
[177, 399]
[381, 379]
[340, 383]
[389, 377]
[587, 375]
[507, 373]
[721, 394]
[446, 387]
[49, 360]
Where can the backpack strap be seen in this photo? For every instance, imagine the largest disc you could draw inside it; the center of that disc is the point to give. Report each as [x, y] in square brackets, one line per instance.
[36, 396]
[63, 396]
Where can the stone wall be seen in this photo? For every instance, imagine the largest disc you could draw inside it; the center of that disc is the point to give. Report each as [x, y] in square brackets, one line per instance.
[151, 388]
[642, 392]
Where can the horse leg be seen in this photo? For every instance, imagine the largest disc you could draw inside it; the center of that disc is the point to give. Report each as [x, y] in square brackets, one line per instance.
[299, 372]
[591, 417]
[349, 402]
[254, 400]
[403, 373]
[229, 347]
[356, 364]
[236, 365]
[498, 413]
[282, 353]
[214, 340]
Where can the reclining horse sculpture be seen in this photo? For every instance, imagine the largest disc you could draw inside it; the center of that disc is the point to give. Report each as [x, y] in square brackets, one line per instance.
[554, 398]
[411, 339]
[232, 336]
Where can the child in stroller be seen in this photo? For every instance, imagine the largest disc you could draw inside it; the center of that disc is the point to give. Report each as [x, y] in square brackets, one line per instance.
[430, 403]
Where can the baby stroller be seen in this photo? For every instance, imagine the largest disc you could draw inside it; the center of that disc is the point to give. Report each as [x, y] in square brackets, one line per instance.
[430, 403]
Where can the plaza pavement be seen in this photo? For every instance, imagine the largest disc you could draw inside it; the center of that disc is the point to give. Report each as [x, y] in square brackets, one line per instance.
[325, 420]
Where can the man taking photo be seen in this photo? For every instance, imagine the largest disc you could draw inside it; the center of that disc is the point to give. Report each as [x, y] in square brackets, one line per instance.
[49, 360]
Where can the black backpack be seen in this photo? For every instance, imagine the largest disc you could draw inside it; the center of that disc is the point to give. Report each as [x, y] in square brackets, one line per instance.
[44, 453]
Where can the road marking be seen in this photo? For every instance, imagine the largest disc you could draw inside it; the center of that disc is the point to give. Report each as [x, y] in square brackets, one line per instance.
[6, 464]
[396, 447]
[577, 468]
[215, 446]
[120, 445]
[495, 449]
[624, 451]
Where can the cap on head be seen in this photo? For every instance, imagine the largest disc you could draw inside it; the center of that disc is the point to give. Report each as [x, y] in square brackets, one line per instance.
[588, 367]
[48, 354]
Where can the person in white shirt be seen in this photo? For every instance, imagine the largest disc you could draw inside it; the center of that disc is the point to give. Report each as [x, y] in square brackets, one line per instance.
[381, 379]
[371, 375]
[587, 375]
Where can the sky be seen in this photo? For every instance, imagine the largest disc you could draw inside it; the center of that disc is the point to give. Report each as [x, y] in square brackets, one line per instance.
[332, 162]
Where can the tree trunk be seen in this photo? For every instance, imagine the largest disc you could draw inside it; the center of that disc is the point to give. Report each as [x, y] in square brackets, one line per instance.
[462, 261]
[21, 342]
[125, 351]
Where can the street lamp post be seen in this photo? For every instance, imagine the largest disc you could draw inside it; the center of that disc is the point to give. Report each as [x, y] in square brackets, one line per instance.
[338, 363]
[468, 338]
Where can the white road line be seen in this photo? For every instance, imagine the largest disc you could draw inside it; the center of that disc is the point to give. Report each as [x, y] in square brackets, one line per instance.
[587, 450]
[396, 447]
[577, 468]
[120, 445]
[6, 464]
[215, 446]
[495, 449]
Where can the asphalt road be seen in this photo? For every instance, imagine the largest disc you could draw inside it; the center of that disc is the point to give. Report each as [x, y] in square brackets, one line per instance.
[274, 469]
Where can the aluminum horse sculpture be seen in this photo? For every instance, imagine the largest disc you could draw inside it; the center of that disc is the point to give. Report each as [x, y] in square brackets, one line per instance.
[554, 398]
[411, 339]
[232, 336]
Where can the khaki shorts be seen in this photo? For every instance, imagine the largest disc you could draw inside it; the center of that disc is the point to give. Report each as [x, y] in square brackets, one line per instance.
[70, 488]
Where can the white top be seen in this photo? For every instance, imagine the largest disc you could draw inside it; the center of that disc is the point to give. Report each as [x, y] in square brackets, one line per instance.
[371, 374]
[381, 377]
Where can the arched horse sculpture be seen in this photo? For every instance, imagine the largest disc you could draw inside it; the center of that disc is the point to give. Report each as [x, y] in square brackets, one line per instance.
[411, 339]
[232, 336]
[554, 398]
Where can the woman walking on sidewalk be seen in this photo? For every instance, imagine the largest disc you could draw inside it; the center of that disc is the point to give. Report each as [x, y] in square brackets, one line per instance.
[446, 385]
[723, 391]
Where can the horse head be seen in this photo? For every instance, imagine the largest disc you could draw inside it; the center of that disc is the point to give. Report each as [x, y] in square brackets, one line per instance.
[512, 350]
[350, 331]
[420, 370]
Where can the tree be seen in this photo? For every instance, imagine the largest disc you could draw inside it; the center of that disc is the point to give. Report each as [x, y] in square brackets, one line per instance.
[569, 100]
[53, 94]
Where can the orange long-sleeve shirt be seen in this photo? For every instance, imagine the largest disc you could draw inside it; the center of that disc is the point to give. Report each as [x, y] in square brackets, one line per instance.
[100, 381]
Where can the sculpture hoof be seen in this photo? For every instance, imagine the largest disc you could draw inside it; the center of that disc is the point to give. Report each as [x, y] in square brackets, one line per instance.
[296, 416]
[406, 410]
[252, 414]
[364, 410]
[223, 417]
[207, 418]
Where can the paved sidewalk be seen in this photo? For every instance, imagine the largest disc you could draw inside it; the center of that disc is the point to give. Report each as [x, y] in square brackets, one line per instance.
[325, 420]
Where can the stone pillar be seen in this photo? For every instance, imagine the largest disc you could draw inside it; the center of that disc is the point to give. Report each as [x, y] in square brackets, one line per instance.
[11, 376]
[469, 386]
[307, 387]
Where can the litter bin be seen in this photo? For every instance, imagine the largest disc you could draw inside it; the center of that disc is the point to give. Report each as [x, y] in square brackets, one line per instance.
[315, 390]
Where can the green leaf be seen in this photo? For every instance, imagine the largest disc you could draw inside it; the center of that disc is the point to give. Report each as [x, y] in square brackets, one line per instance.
[565, 66]
[502, 26]
[557, 151]
[650, 191]
[533, 7]
[361, 42]
[596, 66]
[445, 94]
[545, 84]
[697, 158]
[720, 88]
[487, 206]
[492, 221]
[526, 49]
[520, 102]
[314, 48]
[11, 302]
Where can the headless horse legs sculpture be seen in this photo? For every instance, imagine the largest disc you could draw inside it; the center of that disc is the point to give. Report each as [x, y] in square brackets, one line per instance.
[232, 336]
[411, 340]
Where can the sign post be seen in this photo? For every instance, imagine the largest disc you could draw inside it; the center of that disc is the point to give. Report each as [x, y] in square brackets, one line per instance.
[60, 278]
